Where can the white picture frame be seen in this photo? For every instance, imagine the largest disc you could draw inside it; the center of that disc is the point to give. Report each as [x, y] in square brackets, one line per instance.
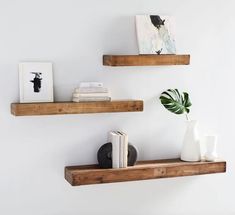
[36, 82]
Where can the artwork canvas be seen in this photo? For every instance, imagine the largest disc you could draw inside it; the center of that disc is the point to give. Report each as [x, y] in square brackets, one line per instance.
[155, 34]
[36, 82]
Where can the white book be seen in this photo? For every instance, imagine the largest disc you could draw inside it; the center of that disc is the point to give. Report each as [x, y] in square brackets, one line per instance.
[124, 149]
[121, 150]
[91, 99]
[90, 95]
[91, 90]
[91, 84]
[115, 140]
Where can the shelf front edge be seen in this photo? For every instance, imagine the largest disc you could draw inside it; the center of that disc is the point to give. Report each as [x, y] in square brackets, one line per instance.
[32, 109]
[91, 174]
[145, 60]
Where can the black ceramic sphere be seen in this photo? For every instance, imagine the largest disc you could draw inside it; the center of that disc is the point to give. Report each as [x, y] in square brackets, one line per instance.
[104, 155]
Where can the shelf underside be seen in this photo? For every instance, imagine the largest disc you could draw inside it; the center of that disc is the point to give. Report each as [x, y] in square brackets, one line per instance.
[145, 60]
[31, 109]
[143, 170]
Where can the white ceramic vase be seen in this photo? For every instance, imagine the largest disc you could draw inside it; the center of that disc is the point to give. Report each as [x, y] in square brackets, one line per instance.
[191, 143]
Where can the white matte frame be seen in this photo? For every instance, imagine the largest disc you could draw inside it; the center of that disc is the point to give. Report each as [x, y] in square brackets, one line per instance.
[25, 69]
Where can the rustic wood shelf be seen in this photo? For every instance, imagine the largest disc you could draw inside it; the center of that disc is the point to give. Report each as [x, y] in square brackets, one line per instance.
[143, 170]
[30, 109]
[145, 60]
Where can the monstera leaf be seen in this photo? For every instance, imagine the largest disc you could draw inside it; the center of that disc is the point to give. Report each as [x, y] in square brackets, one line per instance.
[176, 102]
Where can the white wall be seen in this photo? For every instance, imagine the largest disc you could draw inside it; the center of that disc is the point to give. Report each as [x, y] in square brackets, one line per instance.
[74, 35]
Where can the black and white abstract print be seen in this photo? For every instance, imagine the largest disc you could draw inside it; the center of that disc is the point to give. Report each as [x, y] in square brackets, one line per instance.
[37, 81]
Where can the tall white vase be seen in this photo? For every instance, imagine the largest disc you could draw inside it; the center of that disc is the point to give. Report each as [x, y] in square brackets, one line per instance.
[191, 143]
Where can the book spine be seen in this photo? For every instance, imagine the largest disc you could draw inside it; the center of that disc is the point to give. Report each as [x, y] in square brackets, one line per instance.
[92, 99]
[115, 139]
[88, 95]
[91, 90]
[91, 84]
[125, 151]
[121, 150]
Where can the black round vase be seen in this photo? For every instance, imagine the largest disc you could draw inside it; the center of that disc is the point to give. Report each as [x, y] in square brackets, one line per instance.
[104, 155]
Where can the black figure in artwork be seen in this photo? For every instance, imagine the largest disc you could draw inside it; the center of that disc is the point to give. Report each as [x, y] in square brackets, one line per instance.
[159, 51]
[157, 21]
[37, 82]
[165, 43]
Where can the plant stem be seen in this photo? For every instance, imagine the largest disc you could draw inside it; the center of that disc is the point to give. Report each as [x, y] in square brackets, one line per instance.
[187, 117]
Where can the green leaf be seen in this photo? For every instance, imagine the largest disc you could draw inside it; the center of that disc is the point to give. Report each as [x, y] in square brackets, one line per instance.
[176, 102]
[187, 101]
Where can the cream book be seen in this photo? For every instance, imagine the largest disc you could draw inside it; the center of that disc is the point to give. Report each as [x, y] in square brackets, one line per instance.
[123, 150]
[115, 140]
[91, 84]
[90, 95]
[92, 99]
[91, 90]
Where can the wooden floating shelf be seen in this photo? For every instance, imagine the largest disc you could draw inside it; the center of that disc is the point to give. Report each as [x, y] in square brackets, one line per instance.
[145, 60]
[143, 170]
[31, 109]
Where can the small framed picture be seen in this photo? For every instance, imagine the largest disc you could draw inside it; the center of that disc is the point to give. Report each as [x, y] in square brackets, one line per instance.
[155, 34]
[36, 82]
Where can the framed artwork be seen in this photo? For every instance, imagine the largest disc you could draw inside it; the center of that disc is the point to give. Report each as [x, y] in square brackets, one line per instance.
[155, 34]
[36, 82]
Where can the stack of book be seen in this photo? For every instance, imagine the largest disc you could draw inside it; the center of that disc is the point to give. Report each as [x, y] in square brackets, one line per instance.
[119, 142]
[91, 92]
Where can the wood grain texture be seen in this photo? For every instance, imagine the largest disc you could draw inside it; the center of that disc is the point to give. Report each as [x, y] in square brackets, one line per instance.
[31, 109]
[145, 60]
[91, 174]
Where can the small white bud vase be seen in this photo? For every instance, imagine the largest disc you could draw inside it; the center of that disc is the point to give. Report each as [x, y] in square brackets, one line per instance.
[211, 148]
[191, 143]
